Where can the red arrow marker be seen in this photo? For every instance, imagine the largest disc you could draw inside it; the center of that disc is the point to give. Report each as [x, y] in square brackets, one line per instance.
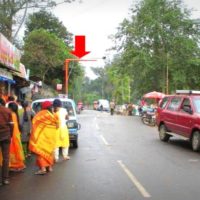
[79, 47]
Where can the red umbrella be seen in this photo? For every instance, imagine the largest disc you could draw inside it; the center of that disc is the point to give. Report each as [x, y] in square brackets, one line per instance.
[154, 95]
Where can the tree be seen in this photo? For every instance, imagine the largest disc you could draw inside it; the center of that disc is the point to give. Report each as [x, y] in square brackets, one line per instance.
[46, 20]
[10, 9]
[159, 44]
[44, 54]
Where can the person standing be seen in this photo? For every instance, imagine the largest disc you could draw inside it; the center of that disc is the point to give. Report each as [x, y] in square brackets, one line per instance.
[25, 124]
[16, 161]
[63, 135]
[112, 107]
[6, 131]
[130, 109]
[43, 138]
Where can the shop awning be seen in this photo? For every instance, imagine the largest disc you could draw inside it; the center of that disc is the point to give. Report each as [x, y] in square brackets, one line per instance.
[2, 78]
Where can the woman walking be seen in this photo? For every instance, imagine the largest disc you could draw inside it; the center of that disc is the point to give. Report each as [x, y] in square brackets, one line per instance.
[16, 162]
[43, 138]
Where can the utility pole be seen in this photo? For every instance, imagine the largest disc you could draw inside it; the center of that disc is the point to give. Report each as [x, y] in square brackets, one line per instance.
[67, 73]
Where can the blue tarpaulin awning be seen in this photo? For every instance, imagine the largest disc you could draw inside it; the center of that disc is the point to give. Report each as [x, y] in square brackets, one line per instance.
[2, 78]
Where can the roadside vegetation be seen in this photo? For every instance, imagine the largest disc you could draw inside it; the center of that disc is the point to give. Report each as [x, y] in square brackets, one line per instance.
[156, 48]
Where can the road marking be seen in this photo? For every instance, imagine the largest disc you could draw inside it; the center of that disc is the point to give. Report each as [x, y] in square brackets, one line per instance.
[104, 140]
[193, 160]
[97, 127]
[134, 180]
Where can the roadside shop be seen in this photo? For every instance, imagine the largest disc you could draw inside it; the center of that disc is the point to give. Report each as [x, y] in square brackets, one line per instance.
[13, 78]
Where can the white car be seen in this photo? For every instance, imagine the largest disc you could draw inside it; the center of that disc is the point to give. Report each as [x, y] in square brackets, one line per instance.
[103, 105]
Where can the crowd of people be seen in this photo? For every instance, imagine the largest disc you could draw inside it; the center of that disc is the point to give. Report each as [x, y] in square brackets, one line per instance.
[22, 132]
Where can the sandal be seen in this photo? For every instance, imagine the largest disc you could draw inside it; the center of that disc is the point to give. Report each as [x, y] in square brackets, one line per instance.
[40, 172]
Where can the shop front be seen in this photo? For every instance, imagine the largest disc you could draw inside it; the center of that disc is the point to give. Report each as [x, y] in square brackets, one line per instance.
[6, 83]
[12, 73]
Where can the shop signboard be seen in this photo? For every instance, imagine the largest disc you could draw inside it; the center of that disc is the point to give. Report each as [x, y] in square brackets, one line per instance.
[5, 74]
[9, 54]
[22, 71]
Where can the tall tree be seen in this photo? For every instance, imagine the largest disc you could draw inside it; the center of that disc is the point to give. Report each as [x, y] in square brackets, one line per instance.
[10, 13]
[46, 20]
[158, 45]
[44, 53]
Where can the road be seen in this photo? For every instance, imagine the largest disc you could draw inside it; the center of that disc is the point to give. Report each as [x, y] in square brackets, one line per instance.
[118, 158]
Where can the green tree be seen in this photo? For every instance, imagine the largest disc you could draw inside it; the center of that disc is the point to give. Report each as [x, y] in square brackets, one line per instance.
[44, 54]
[11, 10]
[46, 20]
[159, 43]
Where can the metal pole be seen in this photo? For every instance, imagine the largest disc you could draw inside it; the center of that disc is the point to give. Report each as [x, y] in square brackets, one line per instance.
[66, 76]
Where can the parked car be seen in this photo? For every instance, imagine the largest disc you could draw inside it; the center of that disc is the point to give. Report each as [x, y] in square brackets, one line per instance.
[179, 114]
[72, 123]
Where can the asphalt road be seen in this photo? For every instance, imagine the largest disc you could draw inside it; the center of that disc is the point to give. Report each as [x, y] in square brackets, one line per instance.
[118, 158]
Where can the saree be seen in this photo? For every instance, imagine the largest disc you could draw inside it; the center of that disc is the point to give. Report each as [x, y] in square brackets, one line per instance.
[63, 132]
[43, 137]
[16, 158]
[16, 150]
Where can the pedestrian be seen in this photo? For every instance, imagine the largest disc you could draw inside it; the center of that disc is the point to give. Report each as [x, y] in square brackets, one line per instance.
[16, 161]
[6, 131]
[130, 109]
[101, 108]
[112, 107]
[43, 138]
[25, 125]
[63, 132]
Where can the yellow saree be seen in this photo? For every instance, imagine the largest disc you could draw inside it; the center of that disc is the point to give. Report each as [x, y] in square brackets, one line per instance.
[44, 135]
[63, 132]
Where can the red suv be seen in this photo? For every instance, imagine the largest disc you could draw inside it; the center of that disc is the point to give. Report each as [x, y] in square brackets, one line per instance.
[180, 115]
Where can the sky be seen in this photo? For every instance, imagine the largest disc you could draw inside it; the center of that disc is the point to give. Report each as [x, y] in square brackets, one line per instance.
[97, 20]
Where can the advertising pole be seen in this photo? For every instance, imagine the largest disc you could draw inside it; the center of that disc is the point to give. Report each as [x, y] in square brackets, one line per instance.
[66, 75]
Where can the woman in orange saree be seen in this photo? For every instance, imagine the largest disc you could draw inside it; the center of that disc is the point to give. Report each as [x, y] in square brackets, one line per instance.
[43, 138]
[16, 161]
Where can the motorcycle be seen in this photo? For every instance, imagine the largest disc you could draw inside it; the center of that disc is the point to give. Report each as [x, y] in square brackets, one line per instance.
[149, 118]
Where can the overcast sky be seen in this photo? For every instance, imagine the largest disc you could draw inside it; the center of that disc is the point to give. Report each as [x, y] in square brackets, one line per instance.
[97, 19]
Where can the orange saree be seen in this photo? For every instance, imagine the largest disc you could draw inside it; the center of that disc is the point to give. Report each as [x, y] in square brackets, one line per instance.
[16, 150]
[43, 137]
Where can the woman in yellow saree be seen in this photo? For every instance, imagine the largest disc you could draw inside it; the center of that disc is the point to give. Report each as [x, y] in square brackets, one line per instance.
[43, 138]
[16, 161]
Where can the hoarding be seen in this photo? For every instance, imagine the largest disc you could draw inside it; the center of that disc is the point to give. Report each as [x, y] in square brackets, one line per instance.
[9, 54]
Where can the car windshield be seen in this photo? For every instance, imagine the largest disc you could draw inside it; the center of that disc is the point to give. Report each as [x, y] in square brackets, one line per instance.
[197, 104]
[68, 106]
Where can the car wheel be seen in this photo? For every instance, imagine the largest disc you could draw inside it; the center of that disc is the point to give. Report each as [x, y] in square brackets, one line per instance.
[75, 144]
[163, 133]
[196, 141]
